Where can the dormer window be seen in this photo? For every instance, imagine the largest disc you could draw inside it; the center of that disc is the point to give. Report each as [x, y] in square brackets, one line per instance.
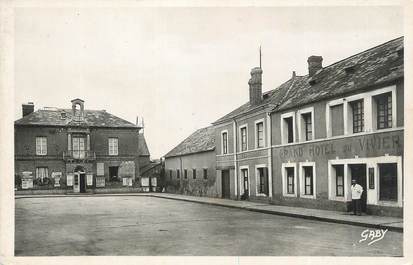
[350, 69]
[63, 115]
[312, 82]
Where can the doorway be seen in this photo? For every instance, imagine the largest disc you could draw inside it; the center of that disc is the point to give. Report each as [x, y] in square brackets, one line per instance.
[358, 172]
[225, 184]
[113, 173]
[82, 182]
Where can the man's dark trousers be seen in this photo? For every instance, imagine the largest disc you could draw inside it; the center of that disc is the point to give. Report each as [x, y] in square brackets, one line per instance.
[356, 207]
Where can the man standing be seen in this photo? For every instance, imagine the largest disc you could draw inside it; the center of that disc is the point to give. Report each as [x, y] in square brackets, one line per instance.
[356, 191]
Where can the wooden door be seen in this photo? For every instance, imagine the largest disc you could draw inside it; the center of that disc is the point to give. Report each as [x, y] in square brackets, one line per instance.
[225, 184]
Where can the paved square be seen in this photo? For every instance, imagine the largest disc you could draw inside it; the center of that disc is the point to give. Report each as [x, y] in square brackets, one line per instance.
[140, 225]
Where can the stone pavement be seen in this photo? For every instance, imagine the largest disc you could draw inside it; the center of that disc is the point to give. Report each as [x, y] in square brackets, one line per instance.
[372, 221]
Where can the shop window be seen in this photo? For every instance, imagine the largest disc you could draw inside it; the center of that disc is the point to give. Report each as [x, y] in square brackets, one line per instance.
[224, 143]
[42, 173]
[194, 173]
[339, 180]
[259, 134]
[290, 180]
[244, 144]
[244, 174]
[388, 181]
[41, 146]
[383, 110]
[357, 108]
[205, 173]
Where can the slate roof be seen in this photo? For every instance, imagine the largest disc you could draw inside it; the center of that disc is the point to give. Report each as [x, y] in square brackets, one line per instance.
[148, 167]
[92, 118]
[374, 66]
[201, 140]
[143, 147]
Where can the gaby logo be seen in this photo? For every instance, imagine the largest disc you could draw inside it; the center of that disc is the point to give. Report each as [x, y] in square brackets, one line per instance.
[372, 235]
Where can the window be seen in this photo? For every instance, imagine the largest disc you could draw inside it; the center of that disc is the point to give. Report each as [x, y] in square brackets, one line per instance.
[289, 123]
[42, 173]
[358, 115]
[308, 180]
[308, 128]
[194, 173]
[113, 146]
[78, 147]
[205, 173]
[384, 111]
[178, 174]
[244, 174]
[290, 180]
[170, 174]
[339, 180]
[337, 120]
[262, 180]
[185, 173]
[287, 127]
[388, 181]
[41, 146]
[260, 134]
[244, 146]
[224, 143]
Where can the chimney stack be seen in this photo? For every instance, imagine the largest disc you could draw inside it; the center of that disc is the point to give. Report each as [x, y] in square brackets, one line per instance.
[255, 84]
[315, 63]
[27, 108]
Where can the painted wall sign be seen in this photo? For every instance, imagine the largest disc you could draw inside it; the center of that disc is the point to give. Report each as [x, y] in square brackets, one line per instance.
[367, 143]
[27, 183]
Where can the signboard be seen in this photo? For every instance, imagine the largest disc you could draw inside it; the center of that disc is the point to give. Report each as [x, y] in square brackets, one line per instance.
[57, 176]
[130, 182]
[100, 169]
[100, 181]
[125, 181]
[69, 179]
[27, 183]
[89, 178]
[144, 182]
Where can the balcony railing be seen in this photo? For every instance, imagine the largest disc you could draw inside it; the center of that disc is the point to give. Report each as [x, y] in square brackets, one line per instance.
[79, 154]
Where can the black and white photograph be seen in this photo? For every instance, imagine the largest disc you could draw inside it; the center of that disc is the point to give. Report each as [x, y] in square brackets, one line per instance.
[242, 131]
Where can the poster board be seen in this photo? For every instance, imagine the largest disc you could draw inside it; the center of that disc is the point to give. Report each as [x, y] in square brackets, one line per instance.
[56, 177]
[89, 179]
[69, 179]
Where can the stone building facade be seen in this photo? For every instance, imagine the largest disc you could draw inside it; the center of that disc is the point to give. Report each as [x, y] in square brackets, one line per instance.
[75, 150]
[302, 143]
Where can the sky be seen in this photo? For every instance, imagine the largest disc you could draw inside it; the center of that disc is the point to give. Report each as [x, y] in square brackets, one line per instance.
[180, 68]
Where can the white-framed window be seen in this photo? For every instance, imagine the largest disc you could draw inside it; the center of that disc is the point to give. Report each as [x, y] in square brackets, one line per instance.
[224, 142]
[259, 134]
[365, 112]
[42, 173]
[261, 180]
[288, 128]
[41, 146]
[245, 180]
[243, 136]
[306, 124]
[289, 179]
[113, 146]
[307, 175]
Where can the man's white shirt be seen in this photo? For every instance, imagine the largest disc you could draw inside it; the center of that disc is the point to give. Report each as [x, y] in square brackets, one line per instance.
[356, 191]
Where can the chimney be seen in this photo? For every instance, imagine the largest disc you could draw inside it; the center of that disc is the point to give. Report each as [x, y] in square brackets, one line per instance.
[315, 63]
[255, 84]
[27, 108]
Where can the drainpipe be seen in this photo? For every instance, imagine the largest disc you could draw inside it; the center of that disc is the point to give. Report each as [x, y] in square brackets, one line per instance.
[235, 159]
[269, 141]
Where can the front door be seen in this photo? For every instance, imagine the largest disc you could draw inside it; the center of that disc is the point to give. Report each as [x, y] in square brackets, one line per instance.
[358, 172]
[225, 184]
[76, 182]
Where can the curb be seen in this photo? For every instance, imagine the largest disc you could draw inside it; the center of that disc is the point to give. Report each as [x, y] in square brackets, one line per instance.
[248, 208]
[295, 215]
